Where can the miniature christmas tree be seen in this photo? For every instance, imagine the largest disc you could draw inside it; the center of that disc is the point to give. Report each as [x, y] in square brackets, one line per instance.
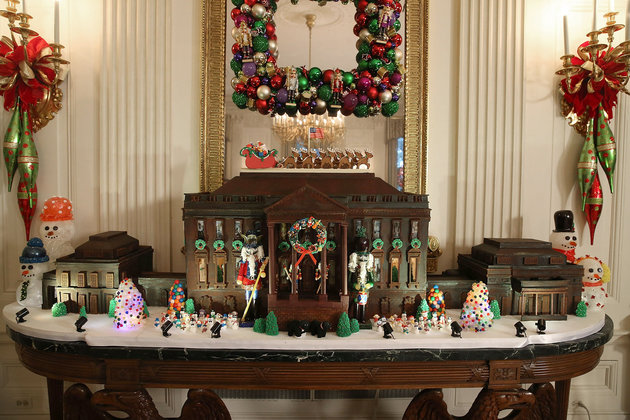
[423, 308]
[190, 306]
[343, 326]
[260, 325]
[476, 313]
[112, 308]
[59, 309]
[175, 298]
[129, 310]
[581, 309]
[271, 324]
[496, 311]
[83, 312]
[435, 300]
[354, 325]
[145, 310]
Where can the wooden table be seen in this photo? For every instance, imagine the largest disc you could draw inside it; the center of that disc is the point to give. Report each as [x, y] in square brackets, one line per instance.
[127, 371]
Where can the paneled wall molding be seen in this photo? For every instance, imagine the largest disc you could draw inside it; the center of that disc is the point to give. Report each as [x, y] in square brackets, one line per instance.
[489, 143]
[134, 155]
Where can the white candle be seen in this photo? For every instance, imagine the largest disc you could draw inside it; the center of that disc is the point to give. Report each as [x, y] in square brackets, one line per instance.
[611, 6]
[565, 26]
[56, 21]
[628, 20]
[24, 6]
[594, 15]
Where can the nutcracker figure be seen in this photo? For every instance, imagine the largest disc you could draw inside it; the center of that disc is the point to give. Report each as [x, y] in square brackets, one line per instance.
[361, 267]
[245, 41]
[291, 84]
[336, 84]
[385, 22]
[252, 255]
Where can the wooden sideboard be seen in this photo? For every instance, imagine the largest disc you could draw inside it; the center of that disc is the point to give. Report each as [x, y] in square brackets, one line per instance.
[126, 372]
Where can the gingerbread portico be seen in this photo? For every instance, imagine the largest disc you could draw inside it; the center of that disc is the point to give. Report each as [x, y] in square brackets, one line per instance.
[266, 204]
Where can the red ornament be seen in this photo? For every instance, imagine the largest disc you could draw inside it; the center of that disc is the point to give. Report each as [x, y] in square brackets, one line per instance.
[361, 5]
[378, 50]
[262, 106]
[397, 7]
[276, 82]
[593, 207]
[356, 29]
[305, 108]
[372, 92]
[271, 59]
[240, 88]
[235, 48]
[328, 75]
[366, 73]
[235, 12]
[360, 18]
[254, 81]
[250, 3]
[270, 28]
[251, 92]
[396, 39]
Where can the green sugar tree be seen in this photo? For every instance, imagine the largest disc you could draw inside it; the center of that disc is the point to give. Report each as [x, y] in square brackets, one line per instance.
[190, 306]
[494, 308]
[354, 325]
[343, 326]
[260, 325]
[271, 324]
[581, 309]
[112, 308]
[83, 312]
[59, 309]
[423, 307]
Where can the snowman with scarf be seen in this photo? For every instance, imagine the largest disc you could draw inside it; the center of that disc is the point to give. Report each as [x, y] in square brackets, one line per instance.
[596, 273]
[563, 238]
[33, 265]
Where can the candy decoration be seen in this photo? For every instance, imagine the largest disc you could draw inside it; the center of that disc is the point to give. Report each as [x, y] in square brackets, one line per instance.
[593, 207]
[176, 298]
[580, 312]
[343, 326]
[435, 300]
[28, 162]
[27, 211]
[476, 313]
[606, 147]
[10, 145]
[496, 310]
[587, 166]
[129, 311]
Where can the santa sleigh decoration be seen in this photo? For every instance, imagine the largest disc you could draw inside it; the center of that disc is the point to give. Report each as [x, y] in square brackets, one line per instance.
[258, 156]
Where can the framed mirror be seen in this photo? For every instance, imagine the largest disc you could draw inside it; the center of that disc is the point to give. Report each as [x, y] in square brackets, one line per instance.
[213, 93]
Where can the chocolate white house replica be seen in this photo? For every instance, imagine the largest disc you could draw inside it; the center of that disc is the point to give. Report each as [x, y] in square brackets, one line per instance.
[308, 225]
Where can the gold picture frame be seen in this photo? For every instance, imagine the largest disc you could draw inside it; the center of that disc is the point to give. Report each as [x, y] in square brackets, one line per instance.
[212, 139]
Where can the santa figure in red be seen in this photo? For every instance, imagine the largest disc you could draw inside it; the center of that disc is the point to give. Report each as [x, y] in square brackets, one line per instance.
[252, 255]
[563, 238]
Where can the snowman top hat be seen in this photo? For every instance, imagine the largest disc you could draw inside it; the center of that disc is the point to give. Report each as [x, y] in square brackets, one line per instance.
[563, 220]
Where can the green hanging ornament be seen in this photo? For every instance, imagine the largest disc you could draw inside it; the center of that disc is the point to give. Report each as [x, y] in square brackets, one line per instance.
[28, 161]
[587, 165]
[606, 147]
[10, 145]
[260, 43]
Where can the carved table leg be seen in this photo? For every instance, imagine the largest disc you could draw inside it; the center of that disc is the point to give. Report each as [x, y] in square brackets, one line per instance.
[427, 405]
[543, 408]
[55, 398]
[78, 404]
[204, 404]
[562, 397]
[136, 403]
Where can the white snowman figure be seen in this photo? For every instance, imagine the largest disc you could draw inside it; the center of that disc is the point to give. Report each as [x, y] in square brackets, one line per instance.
[596, 273]
[563, 238]
[33, 265]
[57, 228]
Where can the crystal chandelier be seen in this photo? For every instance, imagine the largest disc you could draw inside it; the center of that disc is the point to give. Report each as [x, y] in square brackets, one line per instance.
[304, 131]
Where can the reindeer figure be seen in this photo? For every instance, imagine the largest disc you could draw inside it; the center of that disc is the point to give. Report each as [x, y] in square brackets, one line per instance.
[307, 161]
[364, 160]
[354, 156]
[344, 160]
[317, 160]
[293, 161]
[327, 159]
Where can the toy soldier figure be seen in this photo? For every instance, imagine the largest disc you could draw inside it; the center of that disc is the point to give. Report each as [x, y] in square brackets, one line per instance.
[245, 41]
[361, 267]
[336, 85]
[291, 84]
[385, 21]
[252, 255]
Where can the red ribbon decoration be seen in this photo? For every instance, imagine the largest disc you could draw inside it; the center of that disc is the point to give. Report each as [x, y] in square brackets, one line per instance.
[26, 71]
[306, 252]
[587, 89]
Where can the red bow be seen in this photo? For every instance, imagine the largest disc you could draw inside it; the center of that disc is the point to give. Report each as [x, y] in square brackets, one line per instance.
[592, 86]
[26, 71]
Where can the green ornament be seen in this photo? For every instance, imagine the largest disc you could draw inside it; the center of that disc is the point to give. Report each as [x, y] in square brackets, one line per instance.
[361, 111]
[259, 26]
[237, 3]
[260, 44]
[315, 75]
[373, 26]
[302, 83]
[391, 67]
[359, 57]
[374, 65]
[324, 93]
[397, 25]
[362, 66]
[347, 78]
[364, 48]
[273, 5]
[11, 142]
[390, 55]
[240, 100]
[236, 66]
[389, 108]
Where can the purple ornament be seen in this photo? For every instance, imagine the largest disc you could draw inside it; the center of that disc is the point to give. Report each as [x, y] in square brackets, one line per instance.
[363, 99]
[282, 96]
[350, 101]
[249, 69]
[239, 19]
[395, 78]
[395, 97]
[364, 83]
[264, 81]
[382, 87]
[238, 56]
